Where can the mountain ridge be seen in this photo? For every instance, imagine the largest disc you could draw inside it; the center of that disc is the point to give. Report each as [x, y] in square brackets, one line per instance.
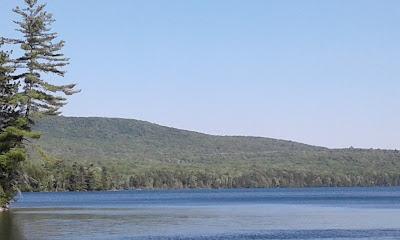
[195, 131]
[138, 153]
[130, 139]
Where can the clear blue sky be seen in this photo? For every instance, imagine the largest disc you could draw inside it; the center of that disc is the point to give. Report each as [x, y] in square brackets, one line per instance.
[320, 72]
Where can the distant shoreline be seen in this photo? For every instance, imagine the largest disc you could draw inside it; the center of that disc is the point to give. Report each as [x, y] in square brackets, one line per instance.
[216, 189]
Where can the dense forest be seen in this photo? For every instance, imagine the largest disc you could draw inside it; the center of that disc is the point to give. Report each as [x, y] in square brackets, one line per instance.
[85, 154]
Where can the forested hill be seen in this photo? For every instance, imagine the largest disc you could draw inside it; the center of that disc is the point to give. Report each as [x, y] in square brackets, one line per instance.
[108, 139]
[134, 153]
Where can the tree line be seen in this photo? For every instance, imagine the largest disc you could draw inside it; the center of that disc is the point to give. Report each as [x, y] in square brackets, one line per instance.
[58, 176]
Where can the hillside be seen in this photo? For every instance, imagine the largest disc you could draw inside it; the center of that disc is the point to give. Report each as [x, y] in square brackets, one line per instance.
[105, 140]
[132, 147]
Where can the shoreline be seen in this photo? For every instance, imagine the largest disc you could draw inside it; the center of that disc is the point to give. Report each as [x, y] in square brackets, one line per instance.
[213, 189]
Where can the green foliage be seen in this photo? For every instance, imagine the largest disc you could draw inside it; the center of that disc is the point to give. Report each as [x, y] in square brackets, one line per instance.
[12, 132]
[102, 153]
[42, 55]
[8, 89]
[25, 93]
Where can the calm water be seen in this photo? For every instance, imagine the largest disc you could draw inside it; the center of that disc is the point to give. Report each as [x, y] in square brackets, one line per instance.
[324, 213]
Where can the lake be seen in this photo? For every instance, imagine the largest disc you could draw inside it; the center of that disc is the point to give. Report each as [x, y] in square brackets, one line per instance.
[238, 214]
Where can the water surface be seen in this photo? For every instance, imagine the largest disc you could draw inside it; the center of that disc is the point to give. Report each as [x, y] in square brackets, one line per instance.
[319, 213]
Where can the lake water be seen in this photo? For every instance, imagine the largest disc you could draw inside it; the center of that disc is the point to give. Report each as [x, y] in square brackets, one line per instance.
[319, 213]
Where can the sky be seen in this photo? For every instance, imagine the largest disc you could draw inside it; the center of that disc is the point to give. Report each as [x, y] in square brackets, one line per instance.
[319, 72]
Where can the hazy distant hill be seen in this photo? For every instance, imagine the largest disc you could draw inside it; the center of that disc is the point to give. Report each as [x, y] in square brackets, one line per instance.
[134, 144]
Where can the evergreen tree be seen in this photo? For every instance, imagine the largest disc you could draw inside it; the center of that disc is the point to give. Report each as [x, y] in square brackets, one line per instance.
[12, 131]
[28, 94]
[42, 56]
[8, 89]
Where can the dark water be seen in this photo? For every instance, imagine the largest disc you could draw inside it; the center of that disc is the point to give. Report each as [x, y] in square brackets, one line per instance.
[324, 213]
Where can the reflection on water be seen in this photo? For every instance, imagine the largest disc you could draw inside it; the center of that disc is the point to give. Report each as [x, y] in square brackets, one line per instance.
[9, 228]
[351, 213]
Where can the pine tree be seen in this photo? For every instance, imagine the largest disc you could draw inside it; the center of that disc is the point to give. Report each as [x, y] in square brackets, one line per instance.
[26, 94]
[6, 92]
[42, 57]
[12, 131]
[8, 89]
